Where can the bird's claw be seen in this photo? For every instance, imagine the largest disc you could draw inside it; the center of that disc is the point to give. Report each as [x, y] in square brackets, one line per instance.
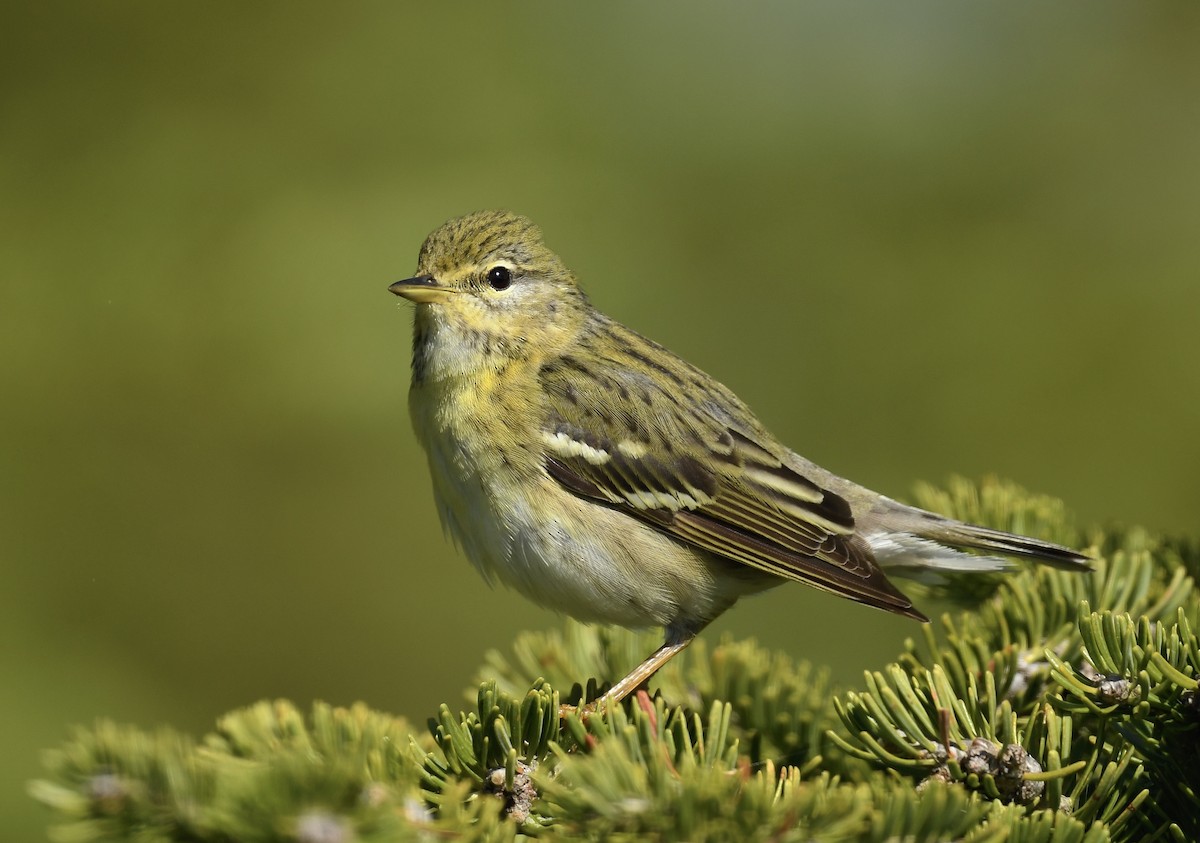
[584, 712]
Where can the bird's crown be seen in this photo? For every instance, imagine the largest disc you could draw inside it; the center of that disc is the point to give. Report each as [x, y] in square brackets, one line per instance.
[478, 241]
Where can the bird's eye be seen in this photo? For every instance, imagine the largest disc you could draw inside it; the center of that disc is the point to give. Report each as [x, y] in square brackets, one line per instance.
[499, 277]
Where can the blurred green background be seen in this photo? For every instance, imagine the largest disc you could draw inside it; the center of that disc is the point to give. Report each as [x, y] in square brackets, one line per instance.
[919, 239]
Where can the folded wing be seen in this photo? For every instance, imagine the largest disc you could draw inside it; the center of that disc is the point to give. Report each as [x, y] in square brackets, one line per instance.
[704, 482]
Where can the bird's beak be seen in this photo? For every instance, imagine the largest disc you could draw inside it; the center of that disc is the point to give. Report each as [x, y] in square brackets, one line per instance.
[422, 289]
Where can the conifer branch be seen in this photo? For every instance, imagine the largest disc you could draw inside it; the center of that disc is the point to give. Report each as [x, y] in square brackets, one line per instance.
[1058, 708]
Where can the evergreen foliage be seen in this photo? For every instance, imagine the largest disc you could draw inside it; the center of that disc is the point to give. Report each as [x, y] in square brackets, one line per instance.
[1059, 708]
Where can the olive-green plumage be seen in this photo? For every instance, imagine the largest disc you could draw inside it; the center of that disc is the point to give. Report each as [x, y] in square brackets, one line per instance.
[601, 475]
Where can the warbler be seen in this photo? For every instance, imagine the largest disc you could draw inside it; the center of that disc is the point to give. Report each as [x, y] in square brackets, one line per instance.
[602, 476]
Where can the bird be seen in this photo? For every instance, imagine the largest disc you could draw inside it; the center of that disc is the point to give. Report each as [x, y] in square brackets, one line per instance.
[604, 477]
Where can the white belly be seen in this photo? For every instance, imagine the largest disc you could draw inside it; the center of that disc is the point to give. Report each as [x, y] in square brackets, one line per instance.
[568, 554]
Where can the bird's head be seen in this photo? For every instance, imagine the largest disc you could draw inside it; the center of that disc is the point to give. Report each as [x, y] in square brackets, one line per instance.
[488, 290]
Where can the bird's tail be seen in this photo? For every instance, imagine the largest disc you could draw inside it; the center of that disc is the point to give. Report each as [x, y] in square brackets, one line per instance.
[959, 534]
[915, 538]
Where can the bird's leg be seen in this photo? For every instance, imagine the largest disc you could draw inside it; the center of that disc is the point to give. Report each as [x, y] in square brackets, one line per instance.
[677, 639]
